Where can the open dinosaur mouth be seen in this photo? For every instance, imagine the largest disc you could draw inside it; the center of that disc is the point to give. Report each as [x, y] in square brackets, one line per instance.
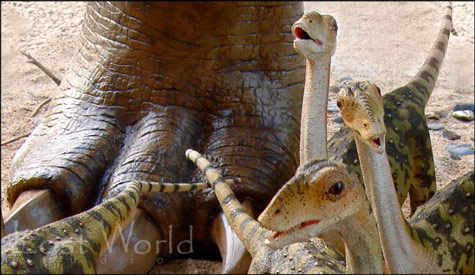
[300, 226]
[377, 141]
[301, 34]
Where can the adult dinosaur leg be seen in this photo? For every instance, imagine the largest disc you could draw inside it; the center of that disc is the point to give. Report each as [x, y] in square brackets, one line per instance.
[155, 152]
[76, 147]
[256, 155]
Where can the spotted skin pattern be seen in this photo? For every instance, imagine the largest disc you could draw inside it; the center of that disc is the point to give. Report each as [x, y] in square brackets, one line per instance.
[72, 245]
[445, 226]
[408, 142]
[310, 257]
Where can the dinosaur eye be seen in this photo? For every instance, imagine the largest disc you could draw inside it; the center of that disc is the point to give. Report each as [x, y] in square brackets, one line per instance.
[336, 188]
[335, 27]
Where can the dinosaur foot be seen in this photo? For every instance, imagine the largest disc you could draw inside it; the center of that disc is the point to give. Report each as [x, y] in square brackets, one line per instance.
[33, 209]
[236, 259]
[132, 248]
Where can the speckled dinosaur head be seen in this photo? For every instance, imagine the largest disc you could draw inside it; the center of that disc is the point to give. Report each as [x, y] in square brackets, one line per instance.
[315, 34]
[317, 198]
[361, 106]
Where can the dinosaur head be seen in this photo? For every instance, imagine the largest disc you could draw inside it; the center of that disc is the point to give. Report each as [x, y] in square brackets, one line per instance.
[316, 199]
[361, 106]
[315, 34]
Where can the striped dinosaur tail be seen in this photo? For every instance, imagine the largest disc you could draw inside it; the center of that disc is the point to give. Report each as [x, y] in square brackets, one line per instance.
[72, 245]
[249, 231]
[426, 77]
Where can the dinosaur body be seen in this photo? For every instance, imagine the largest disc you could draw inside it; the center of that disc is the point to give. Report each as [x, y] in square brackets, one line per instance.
[326, 196]
[408, 142]
[73, 244]
[414, 247]
[306, 257]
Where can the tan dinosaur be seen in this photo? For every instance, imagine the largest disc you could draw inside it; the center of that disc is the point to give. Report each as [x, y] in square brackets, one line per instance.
[323, 195]
[315, 39]
[326, 196]
[439, 237]
[73, 244]
[337, 202]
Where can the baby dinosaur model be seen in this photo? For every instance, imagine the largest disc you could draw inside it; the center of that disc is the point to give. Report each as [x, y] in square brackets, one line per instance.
[315, 39]
[72, 245]
[440, 235]
[309, 257]
[409, 147]
[324, 196]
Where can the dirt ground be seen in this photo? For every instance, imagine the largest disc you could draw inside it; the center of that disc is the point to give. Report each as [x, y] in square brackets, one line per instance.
[385, 42]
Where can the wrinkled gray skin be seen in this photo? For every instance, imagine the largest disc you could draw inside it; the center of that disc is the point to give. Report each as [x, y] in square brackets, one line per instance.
[153, 79]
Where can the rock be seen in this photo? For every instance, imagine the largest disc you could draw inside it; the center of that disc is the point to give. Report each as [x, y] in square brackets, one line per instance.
[465, 115]
[460, 150]
[443, 113]
[37, 121]
[450, 135]
[344, 80]
[454, 156]
[433, 115]
[435, 126]
[332, 109]
[334, 89]
[464, 106]
[338, 119]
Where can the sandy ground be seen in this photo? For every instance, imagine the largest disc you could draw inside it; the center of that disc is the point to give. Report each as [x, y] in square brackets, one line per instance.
[382, 42]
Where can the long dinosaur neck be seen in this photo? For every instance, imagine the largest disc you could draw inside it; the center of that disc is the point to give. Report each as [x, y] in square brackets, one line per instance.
[313, 128]
[363, 249]
[398, 247]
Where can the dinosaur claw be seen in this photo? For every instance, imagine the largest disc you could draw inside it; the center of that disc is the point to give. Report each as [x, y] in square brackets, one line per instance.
[33, 209]
[124, 254]
[236, 259]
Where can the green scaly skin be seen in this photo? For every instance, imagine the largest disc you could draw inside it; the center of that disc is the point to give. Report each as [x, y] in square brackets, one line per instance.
[72, 245]
[308, 257]
[408, 142]
[445, 226]
[440, 232]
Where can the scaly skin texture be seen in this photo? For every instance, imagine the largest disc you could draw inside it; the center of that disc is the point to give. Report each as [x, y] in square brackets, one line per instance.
[72, 245]
[308, 257]
[439, 237]
[152, 79]
[408, 142]
[326, 196]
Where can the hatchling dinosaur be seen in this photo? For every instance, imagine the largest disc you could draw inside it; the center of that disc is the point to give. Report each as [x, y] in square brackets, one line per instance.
[73, 244]
[408, 142]
[310, 257]
[315, 39]
[439, 237]
[324, 196]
